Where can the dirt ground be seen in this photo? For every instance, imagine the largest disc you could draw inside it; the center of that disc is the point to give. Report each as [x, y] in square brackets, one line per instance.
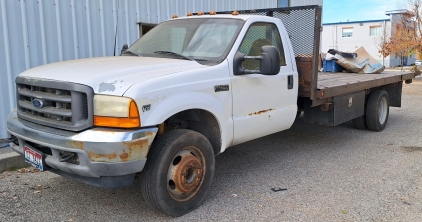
[415, 88]
[323, 174]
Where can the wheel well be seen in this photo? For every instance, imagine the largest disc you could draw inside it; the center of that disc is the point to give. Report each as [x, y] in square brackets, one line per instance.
[394, 92]
[197, 120]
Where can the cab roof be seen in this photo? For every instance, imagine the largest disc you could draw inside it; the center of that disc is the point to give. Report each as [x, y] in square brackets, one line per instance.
[227, 16]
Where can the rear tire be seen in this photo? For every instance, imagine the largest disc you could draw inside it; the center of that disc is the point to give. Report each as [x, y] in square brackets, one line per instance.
[360, 123]
[298, 114]
[178, 173]
[377, 110]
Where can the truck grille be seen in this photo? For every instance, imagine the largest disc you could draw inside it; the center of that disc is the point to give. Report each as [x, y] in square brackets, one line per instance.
[56, 104]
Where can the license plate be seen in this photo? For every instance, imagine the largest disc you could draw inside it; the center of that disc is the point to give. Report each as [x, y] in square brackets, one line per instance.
[34, 157]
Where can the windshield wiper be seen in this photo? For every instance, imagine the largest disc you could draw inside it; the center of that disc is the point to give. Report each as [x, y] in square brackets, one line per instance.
[175, 54]
[130, 52]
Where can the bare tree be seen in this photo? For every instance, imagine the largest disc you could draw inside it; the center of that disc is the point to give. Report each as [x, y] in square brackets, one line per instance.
[382, 40]
[415, 6]
[405, 38]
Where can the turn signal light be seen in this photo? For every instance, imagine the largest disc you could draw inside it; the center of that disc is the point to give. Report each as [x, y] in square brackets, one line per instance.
[118, 122]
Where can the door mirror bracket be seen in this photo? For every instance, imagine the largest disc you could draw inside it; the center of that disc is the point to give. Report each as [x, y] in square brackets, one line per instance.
[124, 48]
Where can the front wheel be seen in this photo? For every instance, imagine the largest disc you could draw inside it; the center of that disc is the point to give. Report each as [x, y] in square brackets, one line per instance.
[178, 173]
[377, 110]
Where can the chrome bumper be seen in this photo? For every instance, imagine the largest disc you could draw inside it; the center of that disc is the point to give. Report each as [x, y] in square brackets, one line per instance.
[102, 152]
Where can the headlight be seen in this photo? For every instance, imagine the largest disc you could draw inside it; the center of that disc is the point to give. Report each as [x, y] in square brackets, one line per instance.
[115, 111]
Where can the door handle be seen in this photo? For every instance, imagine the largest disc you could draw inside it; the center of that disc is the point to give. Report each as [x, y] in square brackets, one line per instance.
[290, 82]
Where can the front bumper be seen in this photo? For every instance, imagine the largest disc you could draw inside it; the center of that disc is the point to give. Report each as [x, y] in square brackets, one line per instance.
[104, 155]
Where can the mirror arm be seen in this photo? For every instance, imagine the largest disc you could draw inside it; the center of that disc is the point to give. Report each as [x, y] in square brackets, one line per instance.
[248, 71]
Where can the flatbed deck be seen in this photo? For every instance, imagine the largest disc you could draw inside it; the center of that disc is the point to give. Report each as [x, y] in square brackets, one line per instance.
[334, 84]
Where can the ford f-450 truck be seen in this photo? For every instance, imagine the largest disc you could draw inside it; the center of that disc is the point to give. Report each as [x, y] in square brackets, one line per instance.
[183, 93]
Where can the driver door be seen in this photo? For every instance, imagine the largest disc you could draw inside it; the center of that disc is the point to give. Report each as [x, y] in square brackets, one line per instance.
[262, 104]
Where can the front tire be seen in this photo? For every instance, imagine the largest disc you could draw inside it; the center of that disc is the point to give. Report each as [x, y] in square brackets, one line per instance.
[377, 110]
[178, 173]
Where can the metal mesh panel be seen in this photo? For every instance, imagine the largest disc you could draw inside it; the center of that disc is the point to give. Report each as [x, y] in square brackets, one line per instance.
[300, 25]
[251, 12]
[303, 25]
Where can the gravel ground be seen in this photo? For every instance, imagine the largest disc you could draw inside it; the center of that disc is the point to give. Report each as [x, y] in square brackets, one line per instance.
[330, 173]
[6, 150]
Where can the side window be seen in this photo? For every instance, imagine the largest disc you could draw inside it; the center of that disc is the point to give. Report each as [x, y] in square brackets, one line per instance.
[258, 35]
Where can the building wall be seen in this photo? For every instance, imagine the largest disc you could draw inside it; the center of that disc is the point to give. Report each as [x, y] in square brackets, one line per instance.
[34, 33]
[332, 37]
[305, 2]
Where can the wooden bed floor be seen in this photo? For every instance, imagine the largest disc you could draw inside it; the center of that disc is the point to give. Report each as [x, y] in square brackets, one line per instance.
[330, 80]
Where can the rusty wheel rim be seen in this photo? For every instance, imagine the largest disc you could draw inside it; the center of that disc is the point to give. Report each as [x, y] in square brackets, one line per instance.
[185, 173]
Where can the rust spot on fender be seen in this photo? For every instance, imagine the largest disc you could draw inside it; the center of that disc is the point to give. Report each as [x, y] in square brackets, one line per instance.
[124, 156]
[98, 157]
[133, 150]
[137, 149]
[76, 145]
[260, 112]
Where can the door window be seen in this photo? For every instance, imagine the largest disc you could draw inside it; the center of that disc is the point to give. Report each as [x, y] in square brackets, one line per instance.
[258, 35]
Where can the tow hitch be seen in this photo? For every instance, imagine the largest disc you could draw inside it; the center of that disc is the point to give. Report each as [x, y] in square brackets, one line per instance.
[5, 142]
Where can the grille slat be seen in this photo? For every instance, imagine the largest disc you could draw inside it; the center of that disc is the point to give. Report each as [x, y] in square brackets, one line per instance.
[49, 110]
[57, 104]
[47, 96]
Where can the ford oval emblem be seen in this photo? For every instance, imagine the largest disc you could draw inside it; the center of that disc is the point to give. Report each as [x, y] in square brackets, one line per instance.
[38, 103]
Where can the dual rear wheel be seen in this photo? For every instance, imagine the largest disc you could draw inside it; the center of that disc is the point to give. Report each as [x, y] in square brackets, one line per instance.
[376, 112]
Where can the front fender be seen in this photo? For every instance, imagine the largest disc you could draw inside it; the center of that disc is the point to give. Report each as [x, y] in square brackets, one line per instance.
[173, 104]
[192, 100]
[160, 98]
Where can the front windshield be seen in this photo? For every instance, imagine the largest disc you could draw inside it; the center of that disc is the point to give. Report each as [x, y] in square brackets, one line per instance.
[206, 40]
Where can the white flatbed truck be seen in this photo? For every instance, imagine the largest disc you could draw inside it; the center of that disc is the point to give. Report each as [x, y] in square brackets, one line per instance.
[183, 93]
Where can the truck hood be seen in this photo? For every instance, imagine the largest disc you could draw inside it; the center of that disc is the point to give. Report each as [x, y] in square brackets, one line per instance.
[111, 75]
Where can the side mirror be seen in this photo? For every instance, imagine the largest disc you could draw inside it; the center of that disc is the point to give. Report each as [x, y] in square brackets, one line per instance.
[269, 62]
[124, 48]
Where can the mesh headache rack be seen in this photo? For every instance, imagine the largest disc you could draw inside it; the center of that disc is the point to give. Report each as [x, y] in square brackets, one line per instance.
[303, 25]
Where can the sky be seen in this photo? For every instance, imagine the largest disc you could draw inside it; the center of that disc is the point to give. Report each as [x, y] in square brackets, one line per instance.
[357, 10]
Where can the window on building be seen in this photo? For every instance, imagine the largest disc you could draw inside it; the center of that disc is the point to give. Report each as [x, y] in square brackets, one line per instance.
[347, 32]
[144, 28]
[375, 31]
[283, 3]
